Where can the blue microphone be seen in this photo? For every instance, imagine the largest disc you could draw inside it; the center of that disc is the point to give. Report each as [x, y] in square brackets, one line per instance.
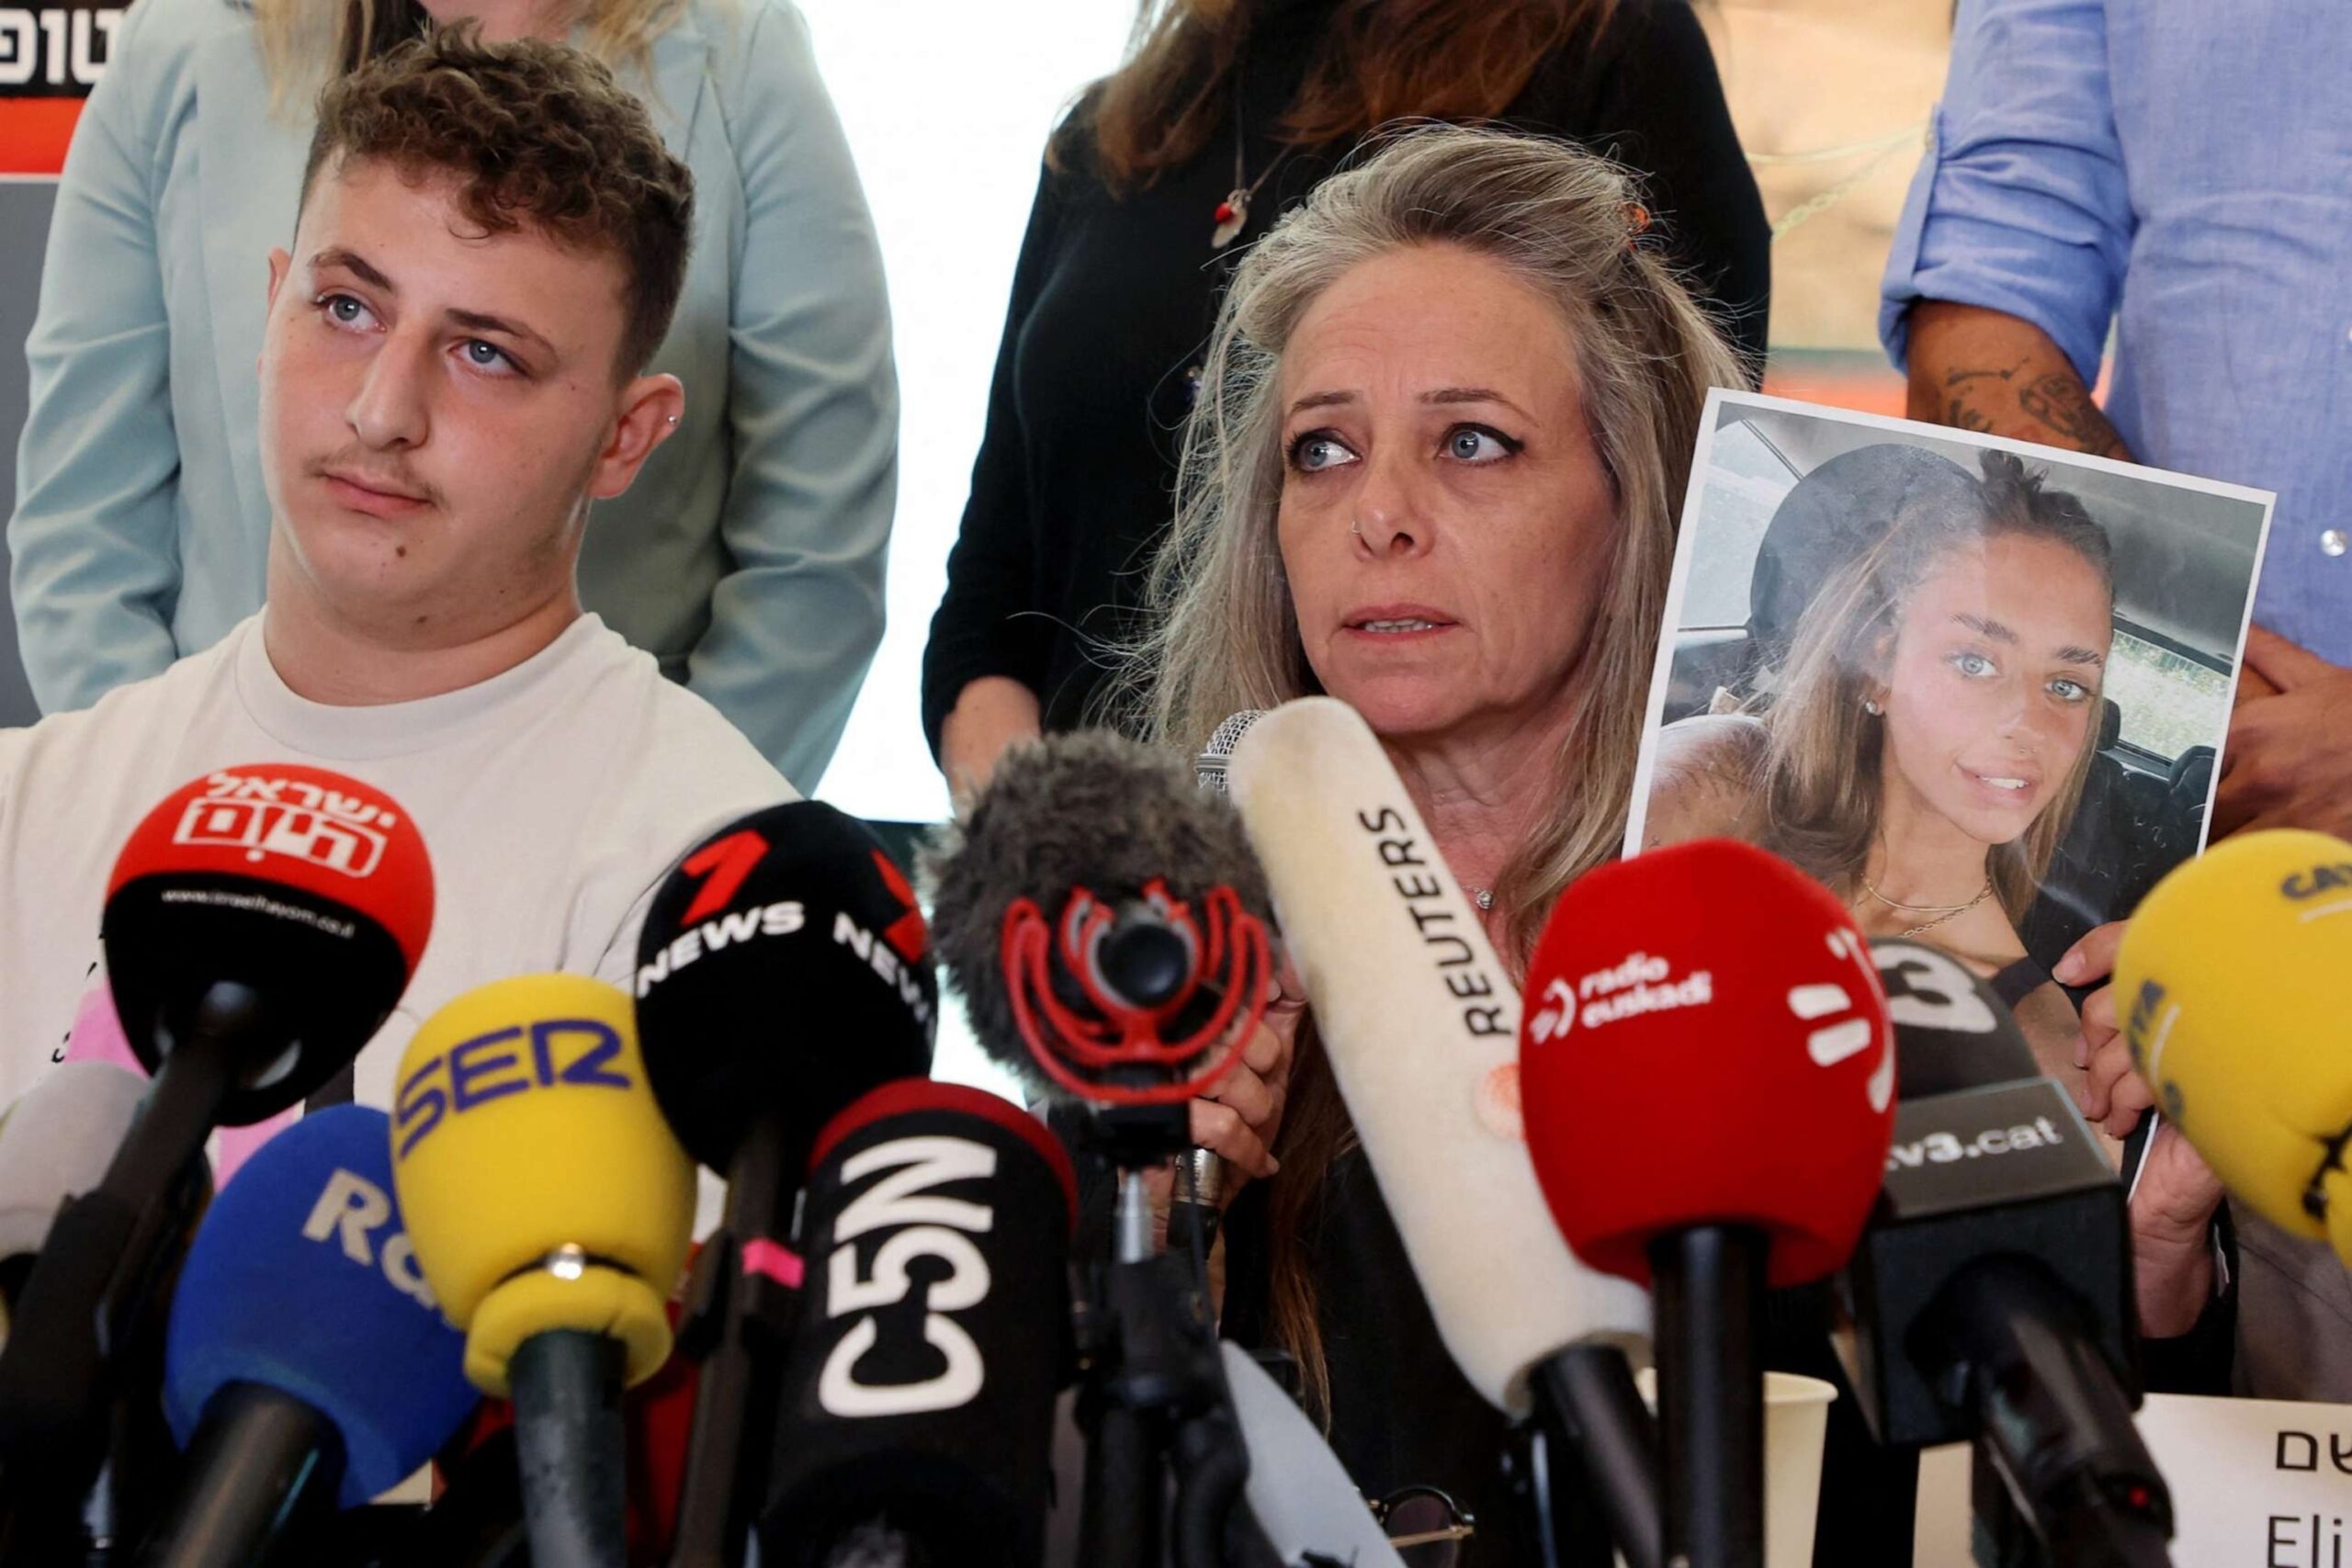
[306, 1359]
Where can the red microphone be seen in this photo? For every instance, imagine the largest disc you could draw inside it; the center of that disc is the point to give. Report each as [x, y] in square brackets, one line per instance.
[260, 925]
[1709, 1087]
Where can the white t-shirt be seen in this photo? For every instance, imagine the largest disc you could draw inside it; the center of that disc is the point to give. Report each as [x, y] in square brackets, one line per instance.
[553, 799]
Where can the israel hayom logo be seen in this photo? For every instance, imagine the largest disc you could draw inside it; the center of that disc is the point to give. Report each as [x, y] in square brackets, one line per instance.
[1644, 983]
[300, 821]
[926, 1225]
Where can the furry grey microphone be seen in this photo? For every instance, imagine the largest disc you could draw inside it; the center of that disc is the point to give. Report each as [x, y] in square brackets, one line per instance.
[1086, 810]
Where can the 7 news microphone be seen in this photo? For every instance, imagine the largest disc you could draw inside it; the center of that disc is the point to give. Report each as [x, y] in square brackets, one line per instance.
[1708, 1104]
[550, 1207]
[260, 924]
[307, 1365]
[1104, 921]
[920, 1388]
[1422, 1024]
[2231, 983]
[1990, 1297]
[783, 971]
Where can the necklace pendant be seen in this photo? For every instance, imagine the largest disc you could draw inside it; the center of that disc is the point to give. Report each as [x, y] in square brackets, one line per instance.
[1232, 216]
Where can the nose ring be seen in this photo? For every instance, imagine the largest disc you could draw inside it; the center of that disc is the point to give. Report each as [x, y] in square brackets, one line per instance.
[1356, 528]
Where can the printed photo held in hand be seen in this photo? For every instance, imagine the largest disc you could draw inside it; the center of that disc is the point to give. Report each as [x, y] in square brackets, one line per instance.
[1977, 688]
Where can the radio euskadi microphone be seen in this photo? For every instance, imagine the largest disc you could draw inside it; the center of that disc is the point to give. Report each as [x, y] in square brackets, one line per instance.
[1420, 1023]
[1990, 1297]
[551, 1208]
[783, 971]
[307, 1365]
[260, 925]
[2231, 983]
[1708, 1087]
[934, 1336]
[55, 1141]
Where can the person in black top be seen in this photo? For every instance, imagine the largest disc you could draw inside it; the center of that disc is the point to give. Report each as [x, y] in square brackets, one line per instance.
[1230, 113]
[1446, 418]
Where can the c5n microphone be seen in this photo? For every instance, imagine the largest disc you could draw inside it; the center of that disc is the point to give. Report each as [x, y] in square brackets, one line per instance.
[1420, 1021]
[784, 970]
[1990, 1297]
[260, 924]
[54, 1145]
[1708, 1103]
[2230, 982]
[306, 1364]
[933, 1338]
[551, 1208]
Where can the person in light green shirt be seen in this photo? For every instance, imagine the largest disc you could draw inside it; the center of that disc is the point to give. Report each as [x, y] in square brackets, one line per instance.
[749, 555]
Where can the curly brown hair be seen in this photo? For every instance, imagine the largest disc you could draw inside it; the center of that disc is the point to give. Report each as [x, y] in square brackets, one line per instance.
[536, 134]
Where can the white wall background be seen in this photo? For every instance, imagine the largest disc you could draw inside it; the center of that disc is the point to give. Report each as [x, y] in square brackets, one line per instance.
[947, 104]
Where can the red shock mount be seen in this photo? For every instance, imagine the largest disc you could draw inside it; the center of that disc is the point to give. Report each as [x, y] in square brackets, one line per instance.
[1227, 951]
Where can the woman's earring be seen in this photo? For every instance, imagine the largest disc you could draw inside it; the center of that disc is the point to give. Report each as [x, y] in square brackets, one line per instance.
[1870, 706]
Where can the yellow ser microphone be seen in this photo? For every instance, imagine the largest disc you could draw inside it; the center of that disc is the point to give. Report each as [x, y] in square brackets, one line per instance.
[551, 1208]
[2231, 983]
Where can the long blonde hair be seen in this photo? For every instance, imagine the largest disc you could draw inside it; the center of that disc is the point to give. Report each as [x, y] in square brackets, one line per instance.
[1819, 772]
[306, 43]
[1224, 637]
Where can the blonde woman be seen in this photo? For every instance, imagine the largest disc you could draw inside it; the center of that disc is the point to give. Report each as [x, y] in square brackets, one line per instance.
[747, 557]
[1444, 421]
[1928, 741]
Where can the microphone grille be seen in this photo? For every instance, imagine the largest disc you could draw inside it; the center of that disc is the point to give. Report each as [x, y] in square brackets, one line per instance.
[1210, 765]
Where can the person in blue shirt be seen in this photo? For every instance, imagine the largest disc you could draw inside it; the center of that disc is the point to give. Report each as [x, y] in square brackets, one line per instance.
[749, 556]
[2174, 170]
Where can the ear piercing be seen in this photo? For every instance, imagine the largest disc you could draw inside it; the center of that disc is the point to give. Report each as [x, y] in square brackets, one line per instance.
[1870, 706]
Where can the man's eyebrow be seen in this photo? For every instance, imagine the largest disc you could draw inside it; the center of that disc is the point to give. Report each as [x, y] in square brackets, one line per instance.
[1986, 627]
[355, 263]
[477, 321]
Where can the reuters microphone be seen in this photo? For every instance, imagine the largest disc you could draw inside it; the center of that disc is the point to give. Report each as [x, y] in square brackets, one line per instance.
[260, 925]
[551, 1208]
[2231, 981]
[784, 970]
[933, 1338]
[307, 1364]
[1708, 1103]
[1420, 1023]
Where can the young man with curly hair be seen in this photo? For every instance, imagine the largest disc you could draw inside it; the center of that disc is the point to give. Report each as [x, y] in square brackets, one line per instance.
[491, 243]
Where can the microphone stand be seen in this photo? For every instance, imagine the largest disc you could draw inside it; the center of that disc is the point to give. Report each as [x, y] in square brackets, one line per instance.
[1152, 1400]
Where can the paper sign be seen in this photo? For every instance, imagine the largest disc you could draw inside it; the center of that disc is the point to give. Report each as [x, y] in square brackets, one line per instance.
[2256, 1483]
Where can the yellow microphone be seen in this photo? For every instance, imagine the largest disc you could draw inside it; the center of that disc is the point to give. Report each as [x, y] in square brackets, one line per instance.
[2231, 984]
[551, 1208]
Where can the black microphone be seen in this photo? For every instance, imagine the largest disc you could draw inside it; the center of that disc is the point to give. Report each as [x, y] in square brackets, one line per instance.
[1991, 1297]
[783, 971]
[1106, 923]
[919, 1387]
[260, 925]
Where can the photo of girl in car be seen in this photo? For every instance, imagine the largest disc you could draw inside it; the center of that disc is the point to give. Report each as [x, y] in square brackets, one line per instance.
[1920, 709]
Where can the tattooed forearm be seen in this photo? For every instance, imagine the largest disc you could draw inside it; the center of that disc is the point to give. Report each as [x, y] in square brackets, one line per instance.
[2062, 403]
[2053, 408]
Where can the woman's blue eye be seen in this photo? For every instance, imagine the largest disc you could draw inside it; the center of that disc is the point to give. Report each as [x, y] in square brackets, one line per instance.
[1474, 443]
[1314, 452]
[2069, 691]
[1975, 666]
